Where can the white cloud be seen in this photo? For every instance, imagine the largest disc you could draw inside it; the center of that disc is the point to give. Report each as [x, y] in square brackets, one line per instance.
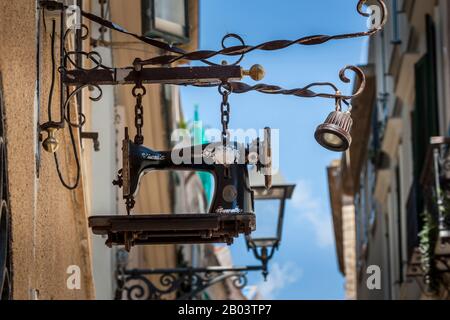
[312, 211]
[278, 278]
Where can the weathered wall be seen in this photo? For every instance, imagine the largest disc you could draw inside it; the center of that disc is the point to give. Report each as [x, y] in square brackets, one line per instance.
[154, 194]
[49, 225]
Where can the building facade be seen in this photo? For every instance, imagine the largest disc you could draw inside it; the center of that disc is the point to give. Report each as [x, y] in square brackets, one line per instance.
[389, 190]
[44, 235]
[48, 229]
[159, 192]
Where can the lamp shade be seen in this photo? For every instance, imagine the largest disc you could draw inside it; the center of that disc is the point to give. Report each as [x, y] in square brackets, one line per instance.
[334, 133]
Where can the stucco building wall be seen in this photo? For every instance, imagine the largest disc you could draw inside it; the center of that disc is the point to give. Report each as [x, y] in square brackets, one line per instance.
[49, 222]
[154, 196]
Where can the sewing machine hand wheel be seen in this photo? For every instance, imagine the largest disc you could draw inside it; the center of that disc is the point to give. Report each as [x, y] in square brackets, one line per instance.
[265, 163]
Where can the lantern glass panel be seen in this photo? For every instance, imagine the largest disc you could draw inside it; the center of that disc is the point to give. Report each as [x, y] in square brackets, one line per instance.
[266, 219]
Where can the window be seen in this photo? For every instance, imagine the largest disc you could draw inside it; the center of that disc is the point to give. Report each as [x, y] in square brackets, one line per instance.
[166, 19]
[425, 123]
[395, 32]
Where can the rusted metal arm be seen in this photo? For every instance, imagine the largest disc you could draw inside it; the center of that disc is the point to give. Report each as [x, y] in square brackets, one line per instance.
[305, 92]
[175, 75]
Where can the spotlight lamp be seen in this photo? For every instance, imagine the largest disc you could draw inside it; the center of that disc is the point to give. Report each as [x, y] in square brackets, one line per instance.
[334, 133]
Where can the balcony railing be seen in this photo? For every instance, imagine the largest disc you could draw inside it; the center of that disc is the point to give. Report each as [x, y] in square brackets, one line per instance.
[435, 182]
[429, 224]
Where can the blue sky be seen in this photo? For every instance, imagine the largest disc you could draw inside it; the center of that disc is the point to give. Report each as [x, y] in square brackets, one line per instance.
[305, 266]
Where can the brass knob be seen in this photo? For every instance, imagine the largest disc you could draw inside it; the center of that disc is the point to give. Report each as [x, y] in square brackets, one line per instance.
[256, 72]
[51, 144]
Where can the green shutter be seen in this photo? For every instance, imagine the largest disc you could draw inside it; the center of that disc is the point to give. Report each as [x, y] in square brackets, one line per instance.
[425, 116]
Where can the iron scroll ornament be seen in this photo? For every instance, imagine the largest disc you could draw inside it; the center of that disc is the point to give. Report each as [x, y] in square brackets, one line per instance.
[183, 283]
[240, 50]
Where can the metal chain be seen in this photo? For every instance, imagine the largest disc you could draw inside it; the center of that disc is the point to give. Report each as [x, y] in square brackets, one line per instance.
[138, 120]
[138, 92]
[224, 113]
[225, 119]
[138, 112]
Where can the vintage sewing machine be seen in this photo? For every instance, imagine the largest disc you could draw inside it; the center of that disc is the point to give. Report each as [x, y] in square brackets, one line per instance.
[231, 212]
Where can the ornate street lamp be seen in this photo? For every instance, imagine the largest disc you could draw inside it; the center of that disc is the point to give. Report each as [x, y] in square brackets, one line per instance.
[269, 206]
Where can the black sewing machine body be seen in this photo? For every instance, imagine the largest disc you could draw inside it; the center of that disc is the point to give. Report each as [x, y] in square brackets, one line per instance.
[231, 212]
[232, 192]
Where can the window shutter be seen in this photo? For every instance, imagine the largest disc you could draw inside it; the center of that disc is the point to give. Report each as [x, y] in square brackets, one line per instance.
[425, 116]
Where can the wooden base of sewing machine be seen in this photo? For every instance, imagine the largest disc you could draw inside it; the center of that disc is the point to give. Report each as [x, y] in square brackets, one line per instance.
[172, 228]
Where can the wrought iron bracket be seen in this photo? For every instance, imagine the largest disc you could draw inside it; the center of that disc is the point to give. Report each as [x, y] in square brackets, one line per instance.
[207, 75]
[183, 283]
[74, 77]
[174, 283]
[211, 75]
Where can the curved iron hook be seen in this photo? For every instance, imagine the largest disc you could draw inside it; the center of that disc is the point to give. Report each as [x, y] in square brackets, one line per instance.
[81, 115]
[240, 39]
[84, 32]
[93, 56]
